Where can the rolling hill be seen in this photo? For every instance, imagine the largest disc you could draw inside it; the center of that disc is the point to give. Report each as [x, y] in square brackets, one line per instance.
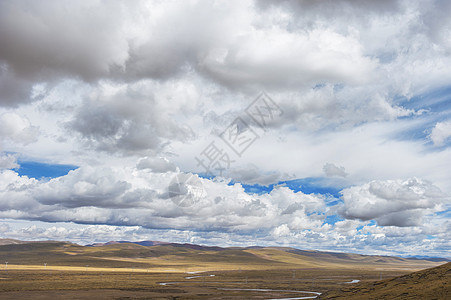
[157, 255]
[433, 283]
[158, 270]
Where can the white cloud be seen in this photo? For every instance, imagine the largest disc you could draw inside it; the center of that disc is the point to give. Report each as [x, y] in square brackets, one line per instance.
[4, 228]
[156, 164]
[251, 174]
[17, 128]
[126, 118]
[136, 197]
[294, 59]
[333, 170]
[440, 133]
[393, 202]
[343, 236]
[8, 161]
[281, 230]
[162, 79]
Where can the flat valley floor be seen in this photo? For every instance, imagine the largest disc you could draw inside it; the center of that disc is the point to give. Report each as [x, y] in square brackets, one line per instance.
[58, 270]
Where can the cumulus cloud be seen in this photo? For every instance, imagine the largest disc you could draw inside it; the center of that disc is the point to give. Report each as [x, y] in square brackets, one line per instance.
[161, 79]
[13, 90]
[440, 133]
[135, 197]
[156, 164]
[83, 187]
[131, 42]
[125, 119]
[343, 236]
[8, 161]
[293, 59]
[392, 202]
[333, 170]
[251, 174]
[300, 56]
[15, 194]
[281, 230]
[17, 128]
[226, 44]
[41, 45]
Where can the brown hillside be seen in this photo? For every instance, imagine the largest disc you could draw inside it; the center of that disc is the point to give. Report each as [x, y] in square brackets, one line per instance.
[430, 284]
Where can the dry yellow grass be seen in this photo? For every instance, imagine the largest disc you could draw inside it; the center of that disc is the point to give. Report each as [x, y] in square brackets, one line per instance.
[129, 270]
[431, 283]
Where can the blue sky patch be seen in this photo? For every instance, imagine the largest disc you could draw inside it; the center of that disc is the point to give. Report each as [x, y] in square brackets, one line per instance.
[315, 185]
[40, 170]
[438, 100]
[310, 185]
[332, 219]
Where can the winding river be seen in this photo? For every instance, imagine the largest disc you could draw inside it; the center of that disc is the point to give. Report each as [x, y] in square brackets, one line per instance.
[251, 290]
[316, 294]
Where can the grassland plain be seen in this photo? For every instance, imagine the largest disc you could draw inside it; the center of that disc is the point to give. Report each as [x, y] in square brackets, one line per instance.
[62, 270]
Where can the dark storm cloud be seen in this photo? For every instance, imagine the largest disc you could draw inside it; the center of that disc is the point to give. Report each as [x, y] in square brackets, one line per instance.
[50, 40]
[53, 40]
[229, 44]
[13, 89]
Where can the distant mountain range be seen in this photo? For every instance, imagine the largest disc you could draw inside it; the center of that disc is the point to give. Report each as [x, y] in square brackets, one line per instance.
[323, 254]
[142, 243]
[155, 243]
[18, 242]
[335, 275]
[63, 252]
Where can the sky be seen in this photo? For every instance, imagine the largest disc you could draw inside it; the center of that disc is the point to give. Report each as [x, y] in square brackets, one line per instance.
[313, 124]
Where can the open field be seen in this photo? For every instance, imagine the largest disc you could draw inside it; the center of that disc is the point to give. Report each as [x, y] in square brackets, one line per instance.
[129, 271]
[70, 284]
